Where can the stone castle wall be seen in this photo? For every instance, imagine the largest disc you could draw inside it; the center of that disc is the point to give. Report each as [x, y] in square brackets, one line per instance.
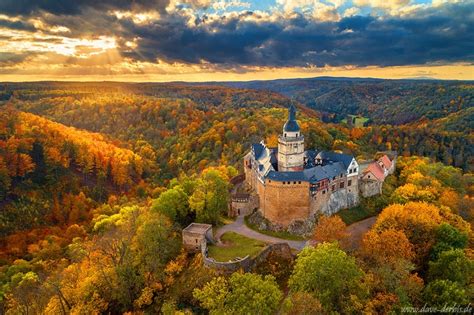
[247, 263]
[329, 204]
[291, 206]
[285, 203]
[370, 188]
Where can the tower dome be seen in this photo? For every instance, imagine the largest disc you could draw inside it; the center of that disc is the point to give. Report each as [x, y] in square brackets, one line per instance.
[291, 145]
[291, 125]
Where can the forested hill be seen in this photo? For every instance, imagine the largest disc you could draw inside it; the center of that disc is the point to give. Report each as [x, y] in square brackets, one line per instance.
[97, 181]
[204, 96]
[383, 101]
[182, 126]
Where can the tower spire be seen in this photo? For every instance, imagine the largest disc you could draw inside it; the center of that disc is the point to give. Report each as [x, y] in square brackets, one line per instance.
[291, 125]
[292, 112]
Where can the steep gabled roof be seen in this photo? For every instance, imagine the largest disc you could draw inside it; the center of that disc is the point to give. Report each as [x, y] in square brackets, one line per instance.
[386, 161]
[315, 174]
[310, 155]
[286, 176]
[311, 175]
[334, 169]
[346, 159]
[375, 169]
[258, 149]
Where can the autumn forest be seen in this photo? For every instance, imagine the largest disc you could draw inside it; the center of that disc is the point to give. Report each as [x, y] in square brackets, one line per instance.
[98, 180]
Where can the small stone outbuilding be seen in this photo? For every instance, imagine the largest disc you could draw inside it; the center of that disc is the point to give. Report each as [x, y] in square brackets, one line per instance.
[371, 181]
[194, 234]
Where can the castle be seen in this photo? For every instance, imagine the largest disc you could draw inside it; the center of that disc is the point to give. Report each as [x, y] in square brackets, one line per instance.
[293, 185]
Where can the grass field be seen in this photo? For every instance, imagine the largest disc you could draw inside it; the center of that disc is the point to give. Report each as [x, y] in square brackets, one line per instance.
[283, 234]
[235, 245]
[359, 121]
[355, 214]
[368, 207]
[371, 206]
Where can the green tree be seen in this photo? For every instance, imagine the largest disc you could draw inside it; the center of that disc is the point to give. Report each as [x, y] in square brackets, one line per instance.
[173, 203]
[440, 293]
[448, 237]
[154, 244]
[331, 276]
[210, 197]
[452, 265]
[241, 294]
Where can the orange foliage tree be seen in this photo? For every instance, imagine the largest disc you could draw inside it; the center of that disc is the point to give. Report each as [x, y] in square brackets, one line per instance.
[330, 229]
[386, 247]
[417, 220]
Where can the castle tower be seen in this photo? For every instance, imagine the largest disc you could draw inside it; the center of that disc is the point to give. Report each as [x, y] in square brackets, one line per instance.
[291, 145]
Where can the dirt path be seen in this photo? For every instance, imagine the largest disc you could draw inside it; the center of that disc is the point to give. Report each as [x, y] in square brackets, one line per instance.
[356, 231]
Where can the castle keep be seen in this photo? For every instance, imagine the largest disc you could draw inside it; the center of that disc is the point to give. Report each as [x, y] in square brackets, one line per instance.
[294, 184]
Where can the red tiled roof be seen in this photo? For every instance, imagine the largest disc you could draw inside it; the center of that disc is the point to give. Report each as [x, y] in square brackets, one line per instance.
[375, 169]
[386, 161]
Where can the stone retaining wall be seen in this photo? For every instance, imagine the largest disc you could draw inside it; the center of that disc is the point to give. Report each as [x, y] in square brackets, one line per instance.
[247, 263]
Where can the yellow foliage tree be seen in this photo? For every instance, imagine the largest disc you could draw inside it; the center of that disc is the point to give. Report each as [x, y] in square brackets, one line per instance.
[418, 220]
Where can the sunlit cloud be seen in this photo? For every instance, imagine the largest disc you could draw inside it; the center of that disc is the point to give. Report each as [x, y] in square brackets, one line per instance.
[21, 41]
[137, 18]
[236, 39]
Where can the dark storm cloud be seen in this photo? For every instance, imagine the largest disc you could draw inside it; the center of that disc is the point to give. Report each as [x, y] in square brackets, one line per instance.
[442, 34]
[74, 7]
[17, 25]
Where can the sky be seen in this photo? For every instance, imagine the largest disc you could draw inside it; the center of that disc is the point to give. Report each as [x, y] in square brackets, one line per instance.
[203, 40]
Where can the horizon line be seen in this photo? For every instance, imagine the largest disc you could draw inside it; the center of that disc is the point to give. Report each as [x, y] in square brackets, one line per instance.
[421, 78]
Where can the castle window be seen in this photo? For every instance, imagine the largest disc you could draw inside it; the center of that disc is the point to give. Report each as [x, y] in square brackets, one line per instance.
[341, 175]
[333, 187]
[324, 192]
[299, 182]
[294, 182]
[349, 182]
[341, 185]
[285, 134]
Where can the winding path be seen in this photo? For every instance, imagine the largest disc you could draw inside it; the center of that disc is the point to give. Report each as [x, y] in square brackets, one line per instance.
[356, 231]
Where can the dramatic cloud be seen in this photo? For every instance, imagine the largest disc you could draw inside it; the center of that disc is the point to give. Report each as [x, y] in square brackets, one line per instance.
[73, 7]
[431, 35]
[232, 35]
